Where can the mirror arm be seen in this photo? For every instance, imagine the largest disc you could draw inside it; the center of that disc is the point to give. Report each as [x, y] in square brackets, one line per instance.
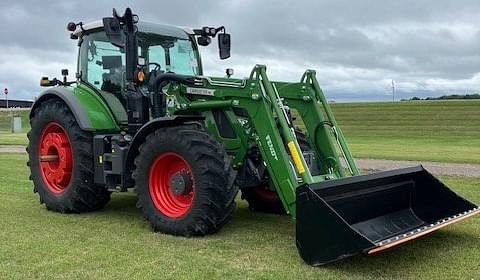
[206, 31]
[221, 28]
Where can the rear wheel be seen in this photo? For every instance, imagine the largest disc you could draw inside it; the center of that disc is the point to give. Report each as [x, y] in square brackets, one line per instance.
[184, 181]
[264, 198]
[61, 161]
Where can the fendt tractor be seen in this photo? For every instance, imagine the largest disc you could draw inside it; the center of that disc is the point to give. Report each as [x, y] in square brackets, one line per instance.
[140, 114]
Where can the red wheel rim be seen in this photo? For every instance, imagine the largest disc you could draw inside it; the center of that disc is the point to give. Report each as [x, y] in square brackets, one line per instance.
[265, 194]
[56, 159]
[168, 202]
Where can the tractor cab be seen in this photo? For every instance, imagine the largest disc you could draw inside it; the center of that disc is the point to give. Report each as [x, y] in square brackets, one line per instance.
[161, 49]
[126, 63]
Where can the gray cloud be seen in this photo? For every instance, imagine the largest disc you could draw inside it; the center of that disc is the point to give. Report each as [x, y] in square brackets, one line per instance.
[358, 47]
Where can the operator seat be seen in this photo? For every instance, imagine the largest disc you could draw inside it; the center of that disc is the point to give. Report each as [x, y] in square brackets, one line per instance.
[111, 91]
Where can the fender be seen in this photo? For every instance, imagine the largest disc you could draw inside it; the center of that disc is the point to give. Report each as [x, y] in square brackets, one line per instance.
[148, 128]
[90, 111]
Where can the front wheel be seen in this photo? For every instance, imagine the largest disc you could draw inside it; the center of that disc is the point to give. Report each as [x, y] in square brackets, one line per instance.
[184, 181]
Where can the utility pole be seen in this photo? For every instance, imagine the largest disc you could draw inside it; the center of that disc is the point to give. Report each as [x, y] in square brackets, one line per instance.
[5, 91]
[393, 90]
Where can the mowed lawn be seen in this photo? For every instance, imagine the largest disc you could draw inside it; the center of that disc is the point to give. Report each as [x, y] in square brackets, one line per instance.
[116, 243]
[7, 138]
[416, 130]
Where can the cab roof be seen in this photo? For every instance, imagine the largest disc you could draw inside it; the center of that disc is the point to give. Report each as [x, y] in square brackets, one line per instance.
[143, 26]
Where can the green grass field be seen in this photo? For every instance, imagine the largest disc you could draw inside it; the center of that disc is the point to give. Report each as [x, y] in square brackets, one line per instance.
[425, 130]
[5, 119]
[117, 243]
[7, 138]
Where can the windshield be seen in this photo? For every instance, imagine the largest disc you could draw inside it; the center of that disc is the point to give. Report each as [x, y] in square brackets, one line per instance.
[169, 53]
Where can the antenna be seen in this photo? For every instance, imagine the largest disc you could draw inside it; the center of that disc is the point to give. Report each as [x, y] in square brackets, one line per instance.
[393, 90]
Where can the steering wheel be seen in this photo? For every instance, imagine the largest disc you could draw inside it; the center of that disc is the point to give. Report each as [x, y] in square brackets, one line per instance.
[157, 66]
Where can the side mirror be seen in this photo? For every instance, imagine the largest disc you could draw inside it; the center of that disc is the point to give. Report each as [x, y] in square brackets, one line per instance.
[113, 31]
[224, 45]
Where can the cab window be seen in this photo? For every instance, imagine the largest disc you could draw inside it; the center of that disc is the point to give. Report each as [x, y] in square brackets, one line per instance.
[102, 64]
[169, 54]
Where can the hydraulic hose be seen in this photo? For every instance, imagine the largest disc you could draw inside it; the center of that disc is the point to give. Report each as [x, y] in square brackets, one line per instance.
[159, 105]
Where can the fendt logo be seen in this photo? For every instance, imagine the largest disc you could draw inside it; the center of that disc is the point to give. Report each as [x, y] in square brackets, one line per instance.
[270, 146]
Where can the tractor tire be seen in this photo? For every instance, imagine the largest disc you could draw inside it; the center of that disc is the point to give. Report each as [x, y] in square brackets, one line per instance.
[262, 198]
[184, 181]
[61, 161]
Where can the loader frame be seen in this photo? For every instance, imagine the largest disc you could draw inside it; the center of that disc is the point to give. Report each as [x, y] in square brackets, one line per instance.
[270, 126]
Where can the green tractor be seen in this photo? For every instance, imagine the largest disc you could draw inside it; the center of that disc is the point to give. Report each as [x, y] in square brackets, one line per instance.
[141, 115]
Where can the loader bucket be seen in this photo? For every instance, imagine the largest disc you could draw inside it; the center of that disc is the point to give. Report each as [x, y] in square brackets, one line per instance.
[371, 213]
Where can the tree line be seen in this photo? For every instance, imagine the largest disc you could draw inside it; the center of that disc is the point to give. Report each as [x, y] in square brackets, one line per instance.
[447, 97]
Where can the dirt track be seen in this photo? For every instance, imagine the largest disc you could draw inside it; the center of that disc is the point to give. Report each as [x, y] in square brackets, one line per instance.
[12, 149]
[437, 168]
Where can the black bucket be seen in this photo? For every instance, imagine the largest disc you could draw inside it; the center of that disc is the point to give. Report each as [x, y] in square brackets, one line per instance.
[371, 213]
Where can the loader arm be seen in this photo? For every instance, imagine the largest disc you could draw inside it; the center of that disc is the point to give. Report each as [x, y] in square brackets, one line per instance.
[266, 103]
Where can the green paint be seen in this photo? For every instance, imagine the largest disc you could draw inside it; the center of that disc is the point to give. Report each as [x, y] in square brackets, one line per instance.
[98, 113]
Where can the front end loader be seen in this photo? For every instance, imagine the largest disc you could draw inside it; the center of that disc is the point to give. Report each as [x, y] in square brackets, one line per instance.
[142, 115]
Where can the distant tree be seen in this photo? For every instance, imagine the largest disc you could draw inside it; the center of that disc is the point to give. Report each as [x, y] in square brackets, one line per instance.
[449, 97]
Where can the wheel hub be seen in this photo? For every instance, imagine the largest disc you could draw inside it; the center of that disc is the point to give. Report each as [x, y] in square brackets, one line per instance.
[55, 156]
[180, 183]
[171, 184]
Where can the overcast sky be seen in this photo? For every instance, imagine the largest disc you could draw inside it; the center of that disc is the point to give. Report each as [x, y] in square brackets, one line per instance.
[429, 48]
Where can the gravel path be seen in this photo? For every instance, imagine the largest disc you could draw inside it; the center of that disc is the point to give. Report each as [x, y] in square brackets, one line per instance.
[12, 149]
[437, 168]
